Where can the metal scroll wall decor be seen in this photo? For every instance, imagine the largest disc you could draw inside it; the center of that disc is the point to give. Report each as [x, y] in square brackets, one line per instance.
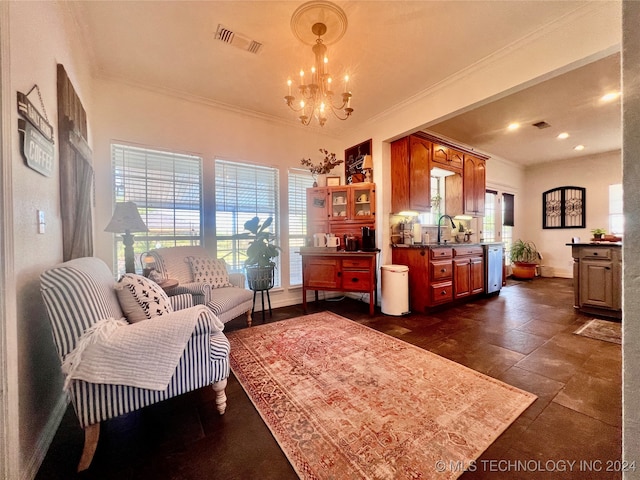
[564, 207]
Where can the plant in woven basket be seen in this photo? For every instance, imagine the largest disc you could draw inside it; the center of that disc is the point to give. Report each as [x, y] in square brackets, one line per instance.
[260, 253]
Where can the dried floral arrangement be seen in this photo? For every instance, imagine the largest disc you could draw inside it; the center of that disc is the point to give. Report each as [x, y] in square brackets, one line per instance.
[328, 163]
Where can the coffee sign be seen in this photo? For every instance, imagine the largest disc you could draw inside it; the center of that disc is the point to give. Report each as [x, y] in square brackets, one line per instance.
[36, 138]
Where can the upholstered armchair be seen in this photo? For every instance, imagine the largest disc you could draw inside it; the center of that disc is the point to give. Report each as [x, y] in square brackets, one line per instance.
[206, 278]
[126, 345]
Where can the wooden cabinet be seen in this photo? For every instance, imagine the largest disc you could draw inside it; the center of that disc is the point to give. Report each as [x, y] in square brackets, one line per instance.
[468, 271]
[339, 271]
[474, 185]
[341, 209]
[411, 174]
[317, 210]
[597, 273]
[447, 273]
[352, 203]
[446, 157]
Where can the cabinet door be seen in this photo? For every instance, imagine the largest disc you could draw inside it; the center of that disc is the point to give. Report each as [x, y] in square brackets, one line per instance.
[419, 174]
[461, 277]
[400, 175]
[338, 204]
[474, 185]
[362, 202]
[596, 284]
[477, 274]
[317, 210]
[321, 272]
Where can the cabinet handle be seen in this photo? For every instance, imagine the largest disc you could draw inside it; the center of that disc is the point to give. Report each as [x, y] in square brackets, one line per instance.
[595, 254]
[422, 253]
[607, 268]
[354, 280]
[339, 274]
[443, 292]
[442, 270]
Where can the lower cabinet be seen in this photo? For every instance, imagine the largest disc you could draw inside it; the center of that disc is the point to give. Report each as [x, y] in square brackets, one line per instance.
[468, 271]
[597, 273]
[448, 273]
[339, 271]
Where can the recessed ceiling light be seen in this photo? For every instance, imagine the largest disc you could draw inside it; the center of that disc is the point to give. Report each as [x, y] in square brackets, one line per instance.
[513, 126]
[609, 97]
[563, 135]
[579, 148]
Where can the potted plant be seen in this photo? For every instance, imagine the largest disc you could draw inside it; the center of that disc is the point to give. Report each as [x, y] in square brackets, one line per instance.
[261, 251]
[325, 166]
[524, 259]
[598, 233]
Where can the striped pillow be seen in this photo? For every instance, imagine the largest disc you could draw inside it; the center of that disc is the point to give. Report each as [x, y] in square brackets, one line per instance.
[209, 270]
[140, 298]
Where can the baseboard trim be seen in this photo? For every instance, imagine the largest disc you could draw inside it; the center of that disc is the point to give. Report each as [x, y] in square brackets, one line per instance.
[33, 463]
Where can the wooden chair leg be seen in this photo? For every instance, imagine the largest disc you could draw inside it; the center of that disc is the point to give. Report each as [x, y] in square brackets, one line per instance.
[91, 434]
[221, 396]
[249, 317]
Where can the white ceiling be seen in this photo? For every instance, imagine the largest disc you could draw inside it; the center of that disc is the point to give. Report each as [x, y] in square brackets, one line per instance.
[393, 50]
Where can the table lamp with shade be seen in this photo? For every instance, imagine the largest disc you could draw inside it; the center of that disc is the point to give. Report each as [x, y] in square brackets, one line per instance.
[367, 166]
[125, 220]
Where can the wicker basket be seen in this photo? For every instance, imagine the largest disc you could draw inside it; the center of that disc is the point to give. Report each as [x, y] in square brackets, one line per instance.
[260, 278]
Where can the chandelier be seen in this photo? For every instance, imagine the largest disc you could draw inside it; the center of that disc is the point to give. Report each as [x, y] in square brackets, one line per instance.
[315, 96]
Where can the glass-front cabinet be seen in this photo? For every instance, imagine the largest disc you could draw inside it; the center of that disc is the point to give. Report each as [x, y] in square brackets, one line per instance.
[354, 202]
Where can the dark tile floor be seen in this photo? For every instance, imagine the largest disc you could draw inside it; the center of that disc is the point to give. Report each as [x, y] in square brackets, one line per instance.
[522, 336]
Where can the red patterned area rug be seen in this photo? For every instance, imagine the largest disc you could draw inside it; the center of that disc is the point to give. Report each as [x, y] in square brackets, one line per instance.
[347, 402]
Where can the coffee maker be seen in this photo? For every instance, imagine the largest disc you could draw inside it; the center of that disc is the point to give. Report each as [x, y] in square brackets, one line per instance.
[368, 239]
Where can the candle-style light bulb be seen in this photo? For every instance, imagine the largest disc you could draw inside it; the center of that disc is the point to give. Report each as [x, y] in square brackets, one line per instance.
[289, 85]
[313, 74]
[346, 83]
[301, 77]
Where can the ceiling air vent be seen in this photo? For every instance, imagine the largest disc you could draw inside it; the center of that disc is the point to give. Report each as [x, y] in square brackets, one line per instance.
[541, 125]
[237, 40]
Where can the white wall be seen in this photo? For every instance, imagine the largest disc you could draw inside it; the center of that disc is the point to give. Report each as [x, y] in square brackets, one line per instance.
[130, 114]
[39, 40]
[595, 173]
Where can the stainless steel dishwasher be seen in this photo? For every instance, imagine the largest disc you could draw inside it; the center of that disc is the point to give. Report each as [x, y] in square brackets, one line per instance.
[492, 267]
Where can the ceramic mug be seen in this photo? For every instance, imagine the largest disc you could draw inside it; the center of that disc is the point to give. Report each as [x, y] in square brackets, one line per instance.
[338, 200]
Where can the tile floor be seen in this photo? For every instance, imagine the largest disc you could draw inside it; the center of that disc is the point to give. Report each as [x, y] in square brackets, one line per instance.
[522, 336]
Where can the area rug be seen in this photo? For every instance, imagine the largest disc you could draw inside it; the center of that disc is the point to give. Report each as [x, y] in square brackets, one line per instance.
[347, 402]
[606, 330]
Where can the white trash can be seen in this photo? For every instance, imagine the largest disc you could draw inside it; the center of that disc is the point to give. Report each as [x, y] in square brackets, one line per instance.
[395, 289]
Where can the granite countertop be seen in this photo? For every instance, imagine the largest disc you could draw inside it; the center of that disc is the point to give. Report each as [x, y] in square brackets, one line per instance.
[595, 244]
[443, 244]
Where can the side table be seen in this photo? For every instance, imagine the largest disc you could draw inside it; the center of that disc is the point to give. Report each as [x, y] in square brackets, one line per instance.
[168, 284]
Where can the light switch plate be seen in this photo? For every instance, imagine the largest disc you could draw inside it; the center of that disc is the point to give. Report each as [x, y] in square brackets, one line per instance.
[41, 222]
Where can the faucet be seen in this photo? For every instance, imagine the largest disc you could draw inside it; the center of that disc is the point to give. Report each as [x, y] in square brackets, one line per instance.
[453, 225]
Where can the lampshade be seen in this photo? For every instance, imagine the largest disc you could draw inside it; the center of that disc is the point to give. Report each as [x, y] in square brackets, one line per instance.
[126, 219]
[367, 163]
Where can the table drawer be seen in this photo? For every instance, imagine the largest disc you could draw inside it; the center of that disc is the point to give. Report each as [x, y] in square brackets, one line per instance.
[441, 292]
[356, 281]
[356, 263]
[441, 269]
[440, 252]
[602, 253]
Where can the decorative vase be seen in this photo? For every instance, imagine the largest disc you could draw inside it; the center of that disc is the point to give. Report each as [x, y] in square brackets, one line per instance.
[315, 179]
[322, 180]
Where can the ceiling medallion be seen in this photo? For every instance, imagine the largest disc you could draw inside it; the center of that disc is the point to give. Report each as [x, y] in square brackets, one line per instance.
[318, 23]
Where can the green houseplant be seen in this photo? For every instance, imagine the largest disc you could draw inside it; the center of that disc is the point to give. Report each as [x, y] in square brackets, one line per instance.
[261, 251]
[524, 259]
[598, 233]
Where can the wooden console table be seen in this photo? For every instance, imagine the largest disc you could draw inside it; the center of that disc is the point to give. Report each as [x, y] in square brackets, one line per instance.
[339, 271]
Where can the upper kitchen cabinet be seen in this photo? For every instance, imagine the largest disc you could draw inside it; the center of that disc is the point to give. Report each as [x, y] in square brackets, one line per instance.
[352, 203]
[447, 158]
[474, 185]
[318, 213]
[411, 174]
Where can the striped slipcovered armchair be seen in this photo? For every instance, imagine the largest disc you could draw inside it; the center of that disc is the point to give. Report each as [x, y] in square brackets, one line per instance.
[174, 352]
[206, 278]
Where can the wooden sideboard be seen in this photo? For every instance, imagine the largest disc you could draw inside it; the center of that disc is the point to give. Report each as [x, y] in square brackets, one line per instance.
[338, 271]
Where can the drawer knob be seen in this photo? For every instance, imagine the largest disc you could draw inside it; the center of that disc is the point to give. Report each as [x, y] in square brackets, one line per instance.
[354, 279]
[422, 252]
[442, 270]
[443, 292]
[595, 254]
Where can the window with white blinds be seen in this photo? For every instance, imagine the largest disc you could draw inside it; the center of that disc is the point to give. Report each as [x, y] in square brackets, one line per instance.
[244, 191]
[299, 181]
[616, 216]
[167, 188]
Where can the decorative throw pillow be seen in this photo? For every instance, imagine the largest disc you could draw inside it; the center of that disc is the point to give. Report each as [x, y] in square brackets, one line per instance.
[210, 270]
[141, 298]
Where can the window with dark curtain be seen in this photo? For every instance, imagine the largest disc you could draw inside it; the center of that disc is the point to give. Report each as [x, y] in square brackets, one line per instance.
[507, 205]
